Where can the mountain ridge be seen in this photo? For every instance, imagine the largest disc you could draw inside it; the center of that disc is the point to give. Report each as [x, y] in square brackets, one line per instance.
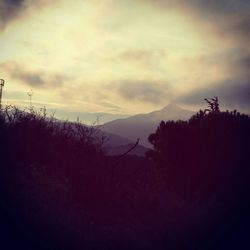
[142, 125]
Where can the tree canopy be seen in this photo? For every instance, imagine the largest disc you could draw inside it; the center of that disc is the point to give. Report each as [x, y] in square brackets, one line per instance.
[209, 150]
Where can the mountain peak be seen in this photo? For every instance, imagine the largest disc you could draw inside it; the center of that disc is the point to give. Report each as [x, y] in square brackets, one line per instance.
[171, 106]
[142, 125]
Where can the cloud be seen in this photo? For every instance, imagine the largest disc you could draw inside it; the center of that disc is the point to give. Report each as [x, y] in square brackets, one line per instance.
[210, 6]
[232, 93]
[217, 7]
[141, 55]
[143, 91]
[239, 26]
[229, 21]
[10, 10]
[110, 106]
[141, 58]
[233, 90]
[228, 17]
[239, 64]
[34, 79]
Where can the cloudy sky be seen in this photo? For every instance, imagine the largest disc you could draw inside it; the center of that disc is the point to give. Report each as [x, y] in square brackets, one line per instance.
[125, 56]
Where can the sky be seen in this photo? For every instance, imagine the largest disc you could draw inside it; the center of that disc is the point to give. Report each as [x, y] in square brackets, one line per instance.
[124, 57]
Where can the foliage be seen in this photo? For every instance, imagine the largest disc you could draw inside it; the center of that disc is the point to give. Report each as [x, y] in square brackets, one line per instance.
[60, 191]
[56, 184]
[208, 152]
[32, 137]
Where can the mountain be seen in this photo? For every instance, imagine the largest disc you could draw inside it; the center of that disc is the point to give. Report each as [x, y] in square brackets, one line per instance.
[110, 140]
[142, 125]
[113, 144]
[86, 117]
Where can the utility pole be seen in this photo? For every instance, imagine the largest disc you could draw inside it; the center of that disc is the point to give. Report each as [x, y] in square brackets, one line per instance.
[1, 92]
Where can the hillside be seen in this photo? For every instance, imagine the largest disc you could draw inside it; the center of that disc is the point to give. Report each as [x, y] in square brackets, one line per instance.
[142, 125]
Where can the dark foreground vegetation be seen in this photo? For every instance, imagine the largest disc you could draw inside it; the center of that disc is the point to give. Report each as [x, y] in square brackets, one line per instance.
[60, 191]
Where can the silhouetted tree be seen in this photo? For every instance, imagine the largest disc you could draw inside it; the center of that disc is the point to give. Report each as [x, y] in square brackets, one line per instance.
[213, 104]
[205, 153]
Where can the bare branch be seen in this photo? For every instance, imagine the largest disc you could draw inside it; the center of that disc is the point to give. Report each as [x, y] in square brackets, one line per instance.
[129, 150]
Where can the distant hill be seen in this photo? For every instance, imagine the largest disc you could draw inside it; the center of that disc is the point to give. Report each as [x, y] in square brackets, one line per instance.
[142, 125]
[120, 134]
[113, 144]
[86, 117]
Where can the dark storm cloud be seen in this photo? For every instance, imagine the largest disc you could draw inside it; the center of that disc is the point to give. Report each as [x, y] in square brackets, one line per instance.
[232, 93]
[239, 27]
[228, 17]
[33, 79]
[211, 7]
[10, 10]
[144, 91]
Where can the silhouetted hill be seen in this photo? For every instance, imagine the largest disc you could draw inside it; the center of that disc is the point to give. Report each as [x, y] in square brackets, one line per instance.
[142, 125]
[109, 139]
[87, 117]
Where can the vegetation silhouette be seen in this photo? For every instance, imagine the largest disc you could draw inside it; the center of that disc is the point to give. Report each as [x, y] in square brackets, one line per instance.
[189, 192]
[206, 153]
[206, 159]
